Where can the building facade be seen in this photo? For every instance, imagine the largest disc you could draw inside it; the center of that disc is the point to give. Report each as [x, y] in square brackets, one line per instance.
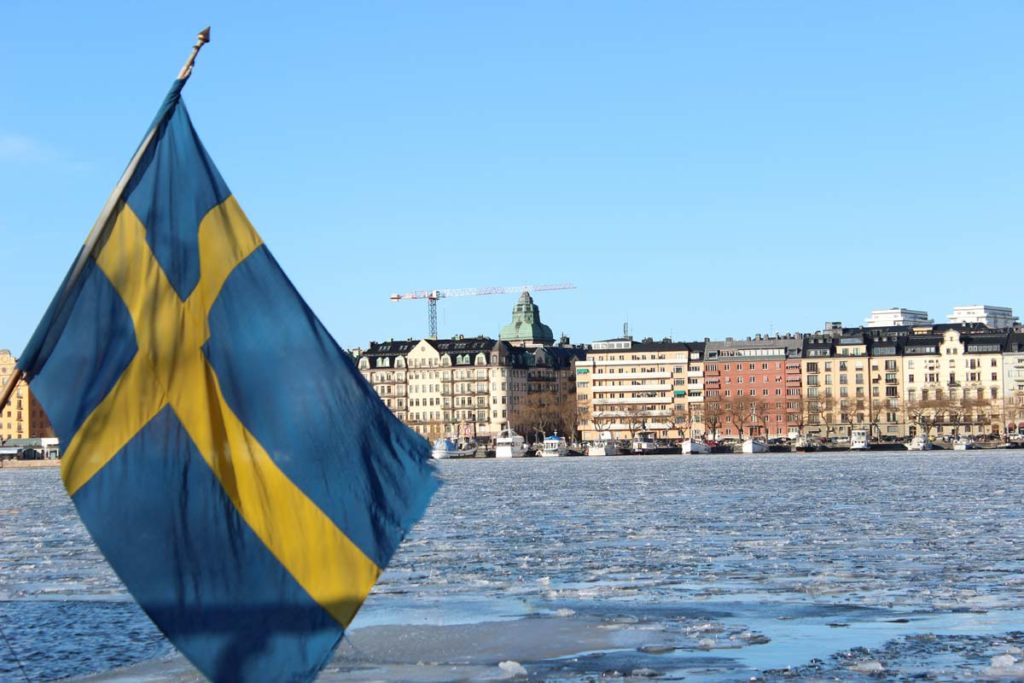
[625, 387]
[752, 386]
[23, 417]
[472, 388]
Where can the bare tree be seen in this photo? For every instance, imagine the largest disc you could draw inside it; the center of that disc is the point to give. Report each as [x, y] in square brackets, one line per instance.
[635, 418]
[569, 416]
[828, 409]
[713, 414]
[760, 415]
[739, 411]
[534, 416]
[1013, 409]
[682, 418]
[926, 413]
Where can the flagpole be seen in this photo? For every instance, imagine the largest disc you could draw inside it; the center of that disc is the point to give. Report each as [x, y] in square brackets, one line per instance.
[99, 227]
[202, 39]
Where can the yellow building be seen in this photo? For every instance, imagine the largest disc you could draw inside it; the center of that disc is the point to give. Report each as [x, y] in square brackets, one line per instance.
[23, 417]
[852, 380]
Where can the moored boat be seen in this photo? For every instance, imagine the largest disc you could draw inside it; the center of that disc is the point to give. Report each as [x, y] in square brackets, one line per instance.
[754, 446]
[695, 447]
[553, 446]
[964, 443]
[467, 449]
[509, 445]
[444, 448]
[643, 443]
[602, 448]
[859, 440]
[806, 444]
[920, 443]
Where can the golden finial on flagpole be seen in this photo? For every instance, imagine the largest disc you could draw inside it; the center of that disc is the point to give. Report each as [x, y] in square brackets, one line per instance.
[202, 39]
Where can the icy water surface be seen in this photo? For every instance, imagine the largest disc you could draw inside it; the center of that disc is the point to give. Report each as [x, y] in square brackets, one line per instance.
[709, 568]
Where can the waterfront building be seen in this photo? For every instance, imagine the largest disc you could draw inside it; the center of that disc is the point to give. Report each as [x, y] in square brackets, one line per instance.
[625, 387]
[745, 386]
[886, 410]
[693, 412]
[897, 317]
[954, 380]
[994, 317]
[1013, 384]
[383, 365]
[471, 388]
[23, 417]
[852, 381]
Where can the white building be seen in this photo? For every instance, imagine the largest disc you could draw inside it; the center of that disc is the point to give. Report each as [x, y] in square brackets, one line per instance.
[995, 317]
[895, 317]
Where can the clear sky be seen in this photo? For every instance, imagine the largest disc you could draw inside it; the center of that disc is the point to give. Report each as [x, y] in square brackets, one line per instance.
[696, 168]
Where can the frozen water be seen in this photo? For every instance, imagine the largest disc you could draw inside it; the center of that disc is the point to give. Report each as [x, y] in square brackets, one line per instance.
[722, 567]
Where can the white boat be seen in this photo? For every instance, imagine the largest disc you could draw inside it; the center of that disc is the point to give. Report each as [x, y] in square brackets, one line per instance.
[754, 446]
[964, 443]
[509, 445]
[920, 443]
[643, 443]
[859, 440]
[444, 448]
[602, 448]
[554, 446]
[467, 449]
[695, 447]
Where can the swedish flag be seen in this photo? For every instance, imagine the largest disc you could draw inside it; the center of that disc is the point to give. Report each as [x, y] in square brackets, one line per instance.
[240, 476]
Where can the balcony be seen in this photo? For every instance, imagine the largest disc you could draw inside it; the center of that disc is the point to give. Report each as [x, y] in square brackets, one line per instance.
[631, 400]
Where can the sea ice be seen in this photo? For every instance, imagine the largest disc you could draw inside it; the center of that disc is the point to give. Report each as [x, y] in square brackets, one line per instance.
[513, 668]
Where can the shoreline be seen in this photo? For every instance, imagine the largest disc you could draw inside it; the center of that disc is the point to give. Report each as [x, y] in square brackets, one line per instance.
[28, 464]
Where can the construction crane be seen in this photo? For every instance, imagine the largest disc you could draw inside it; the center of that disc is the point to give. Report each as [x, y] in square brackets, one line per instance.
[433, 295]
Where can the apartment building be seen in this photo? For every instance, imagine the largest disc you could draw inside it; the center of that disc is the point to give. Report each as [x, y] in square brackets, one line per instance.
[752, 386]
[954, 379]
[1013, 383]
[23, 417]
[624, 387]
[472, 387]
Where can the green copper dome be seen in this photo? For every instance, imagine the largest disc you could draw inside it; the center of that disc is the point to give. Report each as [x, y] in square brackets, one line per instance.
[526, 325]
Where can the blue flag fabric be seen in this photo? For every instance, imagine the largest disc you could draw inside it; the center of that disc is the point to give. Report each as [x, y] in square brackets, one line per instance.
[240, 476]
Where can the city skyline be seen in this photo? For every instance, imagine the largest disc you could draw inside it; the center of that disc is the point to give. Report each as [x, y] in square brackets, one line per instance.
[696, 171]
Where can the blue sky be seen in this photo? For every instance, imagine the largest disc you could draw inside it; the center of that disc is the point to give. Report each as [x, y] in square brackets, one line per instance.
[698, 169]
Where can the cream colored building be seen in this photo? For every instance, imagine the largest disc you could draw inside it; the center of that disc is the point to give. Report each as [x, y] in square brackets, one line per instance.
[625, 387]
[852, 380]
[23, 417]
[472, 388]
[954, 380]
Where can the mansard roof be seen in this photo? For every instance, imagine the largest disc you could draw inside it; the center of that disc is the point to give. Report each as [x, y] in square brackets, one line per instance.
[391, 348]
